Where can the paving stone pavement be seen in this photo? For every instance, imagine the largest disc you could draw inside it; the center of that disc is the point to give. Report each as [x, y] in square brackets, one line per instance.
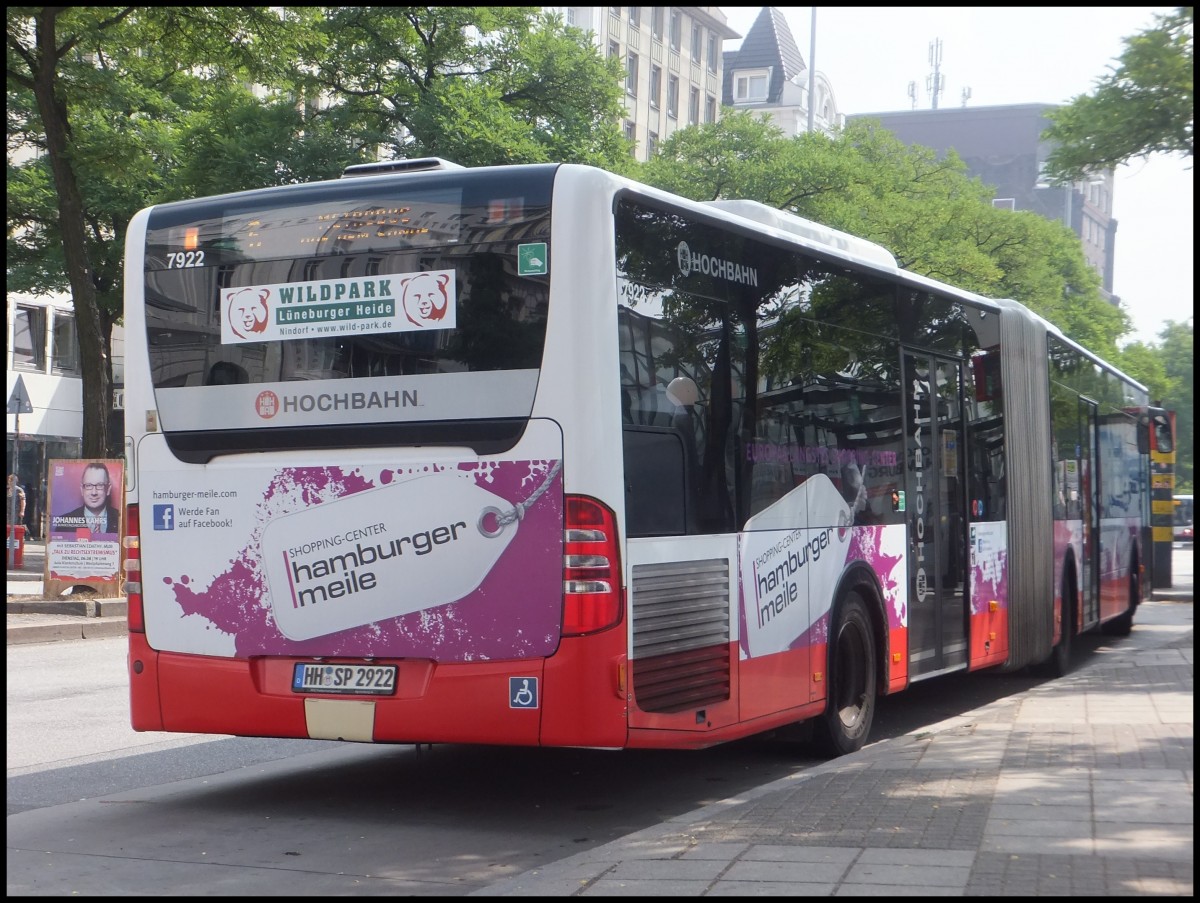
[1081, 786]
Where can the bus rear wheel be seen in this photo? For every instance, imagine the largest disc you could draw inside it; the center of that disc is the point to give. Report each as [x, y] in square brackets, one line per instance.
[850, 708]
[1059, 662]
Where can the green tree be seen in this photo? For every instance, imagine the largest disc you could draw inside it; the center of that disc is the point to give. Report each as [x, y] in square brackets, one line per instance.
[239, 97]
[933, 218]
[1179, 363]
[1145, 364]
[476, 85]
[94, 126]
[1143, 107]
[1166, 370]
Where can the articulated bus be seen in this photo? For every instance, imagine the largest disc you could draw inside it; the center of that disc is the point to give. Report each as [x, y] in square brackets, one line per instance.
[537, 455]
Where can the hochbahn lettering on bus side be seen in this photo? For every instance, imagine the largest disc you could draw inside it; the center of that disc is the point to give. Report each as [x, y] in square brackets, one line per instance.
[693, 262]
[922, 580]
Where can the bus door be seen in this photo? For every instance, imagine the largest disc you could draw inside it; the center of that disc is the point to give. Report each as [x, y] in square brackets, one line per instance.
[1089, 567]
[935, 511]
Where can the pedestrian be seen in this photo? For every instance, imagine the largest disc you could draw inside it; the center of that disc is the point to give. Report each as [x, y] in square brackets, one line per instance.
[14, 488]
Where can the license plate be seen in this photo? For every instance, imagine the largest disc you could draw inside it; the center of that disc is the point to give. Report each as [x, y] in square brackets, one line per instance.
[348, 680]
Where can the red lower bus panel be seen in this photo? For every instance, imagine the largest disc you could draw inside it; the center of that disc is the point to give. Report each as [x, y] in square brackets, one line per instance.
[209, 695]
[1114, 596]
[988, 639]
[456, 703]
[897, 660]
[784, 680]
[145, 709]
[586, 668]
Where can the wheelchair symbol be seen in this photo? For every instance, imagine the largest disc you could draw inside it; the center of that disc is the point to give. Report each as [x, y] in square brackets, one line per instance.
[522, 692]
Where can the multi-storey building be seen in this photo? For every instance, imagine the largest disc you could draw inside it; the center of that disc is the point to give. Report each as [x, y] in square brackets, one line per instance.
[1003, 146]
[672, 57]
[43, 352]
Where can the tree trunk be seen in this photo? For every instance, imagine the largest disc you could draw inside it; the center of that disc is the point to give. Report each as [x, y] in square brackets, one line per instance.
[93, 349]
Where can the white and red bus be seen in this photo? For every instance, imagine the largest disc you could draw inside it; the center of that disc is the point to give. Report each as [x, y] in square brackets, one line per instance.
[537, 455]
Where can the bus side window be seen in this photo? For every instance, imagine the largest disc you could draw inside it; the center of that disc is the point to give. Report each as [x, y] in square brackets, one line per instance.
[656, 470]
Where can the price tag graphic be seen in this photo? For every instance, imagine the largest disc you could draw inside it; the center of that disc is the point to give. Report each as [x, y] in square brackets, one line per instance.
[418, 543]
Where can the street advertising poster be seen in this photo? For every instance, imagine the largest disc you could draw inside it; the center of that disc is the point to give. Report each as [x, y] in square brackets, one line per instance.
[87, 503]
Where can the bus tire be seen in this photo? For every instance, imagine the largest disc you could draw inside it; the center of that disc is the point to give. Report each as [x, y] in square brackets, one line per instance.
[1059, 662]
[850, 707]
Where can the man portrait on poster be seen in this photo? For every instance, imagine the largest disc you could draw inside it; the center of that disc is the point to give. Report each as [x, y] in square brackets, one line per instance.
[97, 514]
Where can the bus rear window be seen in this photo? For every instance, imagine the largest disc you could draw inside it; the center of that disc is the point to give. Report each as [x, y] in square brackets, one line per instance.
[329, 314]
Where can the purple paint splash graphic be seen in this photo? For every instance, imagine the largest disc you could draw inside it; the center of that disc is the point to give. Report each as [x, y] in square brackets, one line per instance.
[514, 613]
[867, 545]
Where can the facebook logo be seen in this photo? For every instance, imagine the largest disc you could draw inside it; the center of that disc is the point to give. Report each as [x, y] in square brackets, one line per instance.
[164, 517]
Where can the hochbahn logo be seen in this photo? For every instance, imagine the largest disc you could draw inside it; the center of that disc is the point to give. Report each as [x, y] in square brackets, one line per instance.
[269, 404]
[717, 267]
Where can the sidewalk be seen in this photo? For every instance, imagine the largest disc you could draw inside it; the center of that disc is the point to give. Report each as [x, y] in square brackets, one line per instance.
[34, 619]
[1081, 786]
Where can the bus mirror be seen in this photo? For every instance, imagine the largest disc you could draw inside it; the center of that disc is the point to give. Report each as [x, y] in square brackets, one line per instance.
[1164, 442]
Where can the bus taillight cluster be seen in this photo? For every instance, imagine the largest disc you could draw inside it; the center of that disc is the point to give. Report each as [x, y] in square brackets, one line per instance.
[591, 568]
[133, 570]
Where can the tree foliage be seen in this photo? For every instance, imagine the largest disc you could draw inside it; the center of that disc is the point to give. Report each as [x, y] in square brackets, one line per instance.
[1167, 371]
[476, 85]
[1179, 363]
[111, 109]
[933, 218]
[95, 124]
[1143, 107]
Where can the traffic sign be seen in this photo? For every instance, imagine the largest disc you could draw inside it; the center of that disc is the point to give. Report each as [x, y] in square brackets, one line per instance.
[18, 401]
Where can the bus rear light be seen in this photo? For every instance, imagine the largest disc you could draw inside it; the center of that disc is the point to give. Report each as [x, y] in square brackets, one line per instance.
[133, 570]
[591, 568]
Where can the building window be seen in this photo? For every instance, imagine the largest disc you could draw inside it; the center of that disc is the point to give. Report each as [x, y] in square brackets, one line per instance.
[673, 96]
[631, 74]
[676, 29]
[713, 52]
[64, 346]
[570, 15]
[655, 85]
[696, 39]
[614, 49]
[29, 338]
[1004, 203]
[694, 107]
[751, 87]
[635, 16]
[631, 136]
[651, 144]
[656, 21]
[710, 109]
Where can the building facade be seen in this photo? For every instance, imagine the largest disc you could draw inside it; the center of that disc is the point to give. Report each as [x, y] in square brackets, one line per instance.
[672, 58]
[1002, 146]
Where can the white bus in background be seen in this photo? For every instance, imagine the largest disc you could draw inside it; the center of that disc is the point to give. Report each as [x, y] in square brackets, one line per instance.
[1184, 518]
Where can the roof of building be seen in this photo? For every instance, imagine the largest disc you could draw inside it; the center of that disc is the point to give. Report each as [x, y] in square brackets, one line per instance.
[768, 45]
